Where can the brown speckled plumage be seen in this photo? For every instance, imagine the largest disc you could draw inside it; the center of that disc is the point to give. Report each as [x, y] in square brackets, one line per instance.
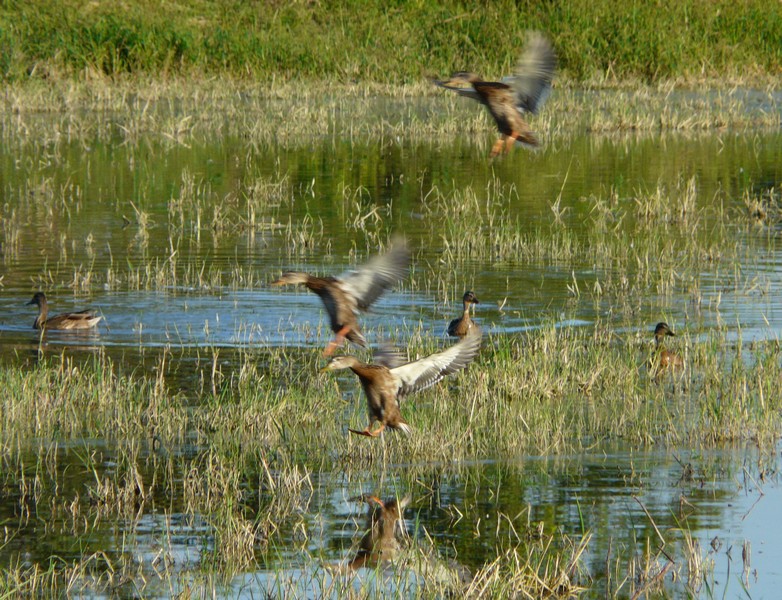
[384, 387]
[507, 100]
[85, 319]
[354, 291]
[664, 360]
[459, 327]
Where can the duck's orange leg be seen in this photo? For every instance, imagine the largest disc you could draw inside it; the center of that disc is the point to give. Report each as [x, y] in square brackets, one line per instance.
[497, 148]
[510, 140]
[367, 431]
[337, 341]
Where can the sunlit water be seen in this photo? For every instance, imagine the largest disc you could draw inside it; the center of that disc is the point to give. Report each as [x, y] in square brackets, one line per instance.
[623, 497]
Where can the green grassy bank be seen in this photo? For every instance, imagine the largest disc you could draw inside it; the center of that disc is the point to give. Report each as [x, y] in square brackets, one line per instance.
[349, 40]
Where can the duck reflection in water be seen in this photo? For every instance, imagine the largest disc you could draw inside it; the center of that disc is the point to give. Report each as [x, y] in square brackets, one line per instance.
[385, 532]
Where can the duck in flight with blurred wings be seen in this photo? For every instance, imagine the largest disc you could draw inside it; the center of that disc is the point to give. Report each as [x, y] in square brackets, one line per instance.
[509, 99]
[84, 319]
[353, 291]
[385, 386]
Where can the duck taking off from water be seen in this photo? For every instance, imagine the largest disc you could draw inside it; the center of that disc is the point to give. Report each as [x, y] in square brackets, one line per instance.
[353, 291]
[459, 327]
[384, 387]
[85, 319]
[509, 99]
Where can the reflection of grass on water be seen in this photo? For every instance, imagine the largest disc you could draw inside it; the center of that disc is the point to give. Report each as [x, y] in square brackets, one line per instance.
[651, 239]
[239, 450]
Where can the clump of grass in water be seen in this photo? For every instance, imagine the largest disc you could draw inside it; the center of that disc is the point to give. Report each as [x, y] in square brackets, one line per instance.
[257, 437]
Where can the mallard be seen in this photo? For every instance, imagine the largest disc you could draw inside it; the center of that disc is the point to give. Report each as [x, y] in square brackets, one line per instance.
[384, 387]
[459, 327]
[380, 543]
[508, 100]
[664, 359]
[346, 295]
[84, 319]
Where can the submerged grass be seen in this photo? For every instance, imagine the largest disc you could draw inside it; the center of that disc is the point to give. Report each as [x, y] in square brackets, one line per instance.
[86, 445]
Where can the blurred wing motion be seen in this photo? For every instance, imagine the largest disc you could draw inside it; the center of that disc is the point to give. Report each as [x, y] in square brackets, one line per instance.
[423, 373]
[534, 72]
[509, 99]
[367, 283]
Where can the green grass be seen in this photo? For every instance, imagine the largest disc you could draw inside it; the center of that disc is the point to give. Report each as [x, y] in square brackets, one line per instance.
[346, 40]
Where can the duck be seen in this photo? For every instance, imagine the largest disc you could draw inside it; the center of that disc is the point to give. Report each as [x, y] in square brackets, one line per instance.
[459, 327]
[508, 100]
[384, 387]
[663, 359]
[354, 291]
[84, 319]
[385, 526]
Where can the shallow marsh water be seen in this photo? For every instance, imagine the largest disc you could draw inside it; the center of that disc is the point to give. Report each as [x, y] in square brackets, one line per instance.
[174, 241]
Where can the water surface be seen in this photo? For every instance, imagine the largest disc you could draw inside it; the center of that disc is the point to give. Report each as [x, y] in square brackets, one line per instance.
[174, 244]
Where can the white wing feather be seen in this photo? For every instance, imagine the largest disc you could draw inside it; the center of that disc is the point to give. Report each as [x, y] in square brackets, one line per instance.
[423, 373]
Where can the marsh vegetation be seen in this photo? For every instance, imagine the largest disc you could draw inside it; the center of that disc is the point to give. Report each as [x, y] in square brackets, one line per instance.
[192, 448]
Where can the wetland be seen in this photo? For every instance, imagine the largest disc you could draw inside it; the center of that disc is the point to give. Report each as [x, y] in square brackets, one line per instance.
[190, 447]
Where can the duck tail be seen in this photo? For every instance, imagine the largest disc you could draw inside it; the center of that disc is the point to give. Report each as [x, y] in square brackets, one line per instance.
[527, 139]
[405, 428]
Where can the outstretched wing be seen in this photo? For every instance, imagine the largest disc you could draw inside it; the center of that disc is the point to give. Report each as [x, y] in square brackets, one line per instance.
[423, 373]
[389, 356]
[368, 282]
[468, 92]
[534, 72]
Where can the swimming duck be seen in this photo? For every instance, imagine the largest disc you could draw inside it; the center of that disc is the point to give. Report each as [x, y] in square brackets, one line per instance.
[380, 543]
[384, 387]
[508, 100]
[353, 291]
[85, 319]
[664, 359]
[459, 327]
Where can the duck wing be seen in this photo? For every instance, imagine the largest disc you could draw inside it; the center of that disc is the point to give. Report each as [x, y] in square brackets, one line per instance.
[534, 71]
[425, 372]
[467, 92]
[83, 319]
[389, 356]
[367, 283]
